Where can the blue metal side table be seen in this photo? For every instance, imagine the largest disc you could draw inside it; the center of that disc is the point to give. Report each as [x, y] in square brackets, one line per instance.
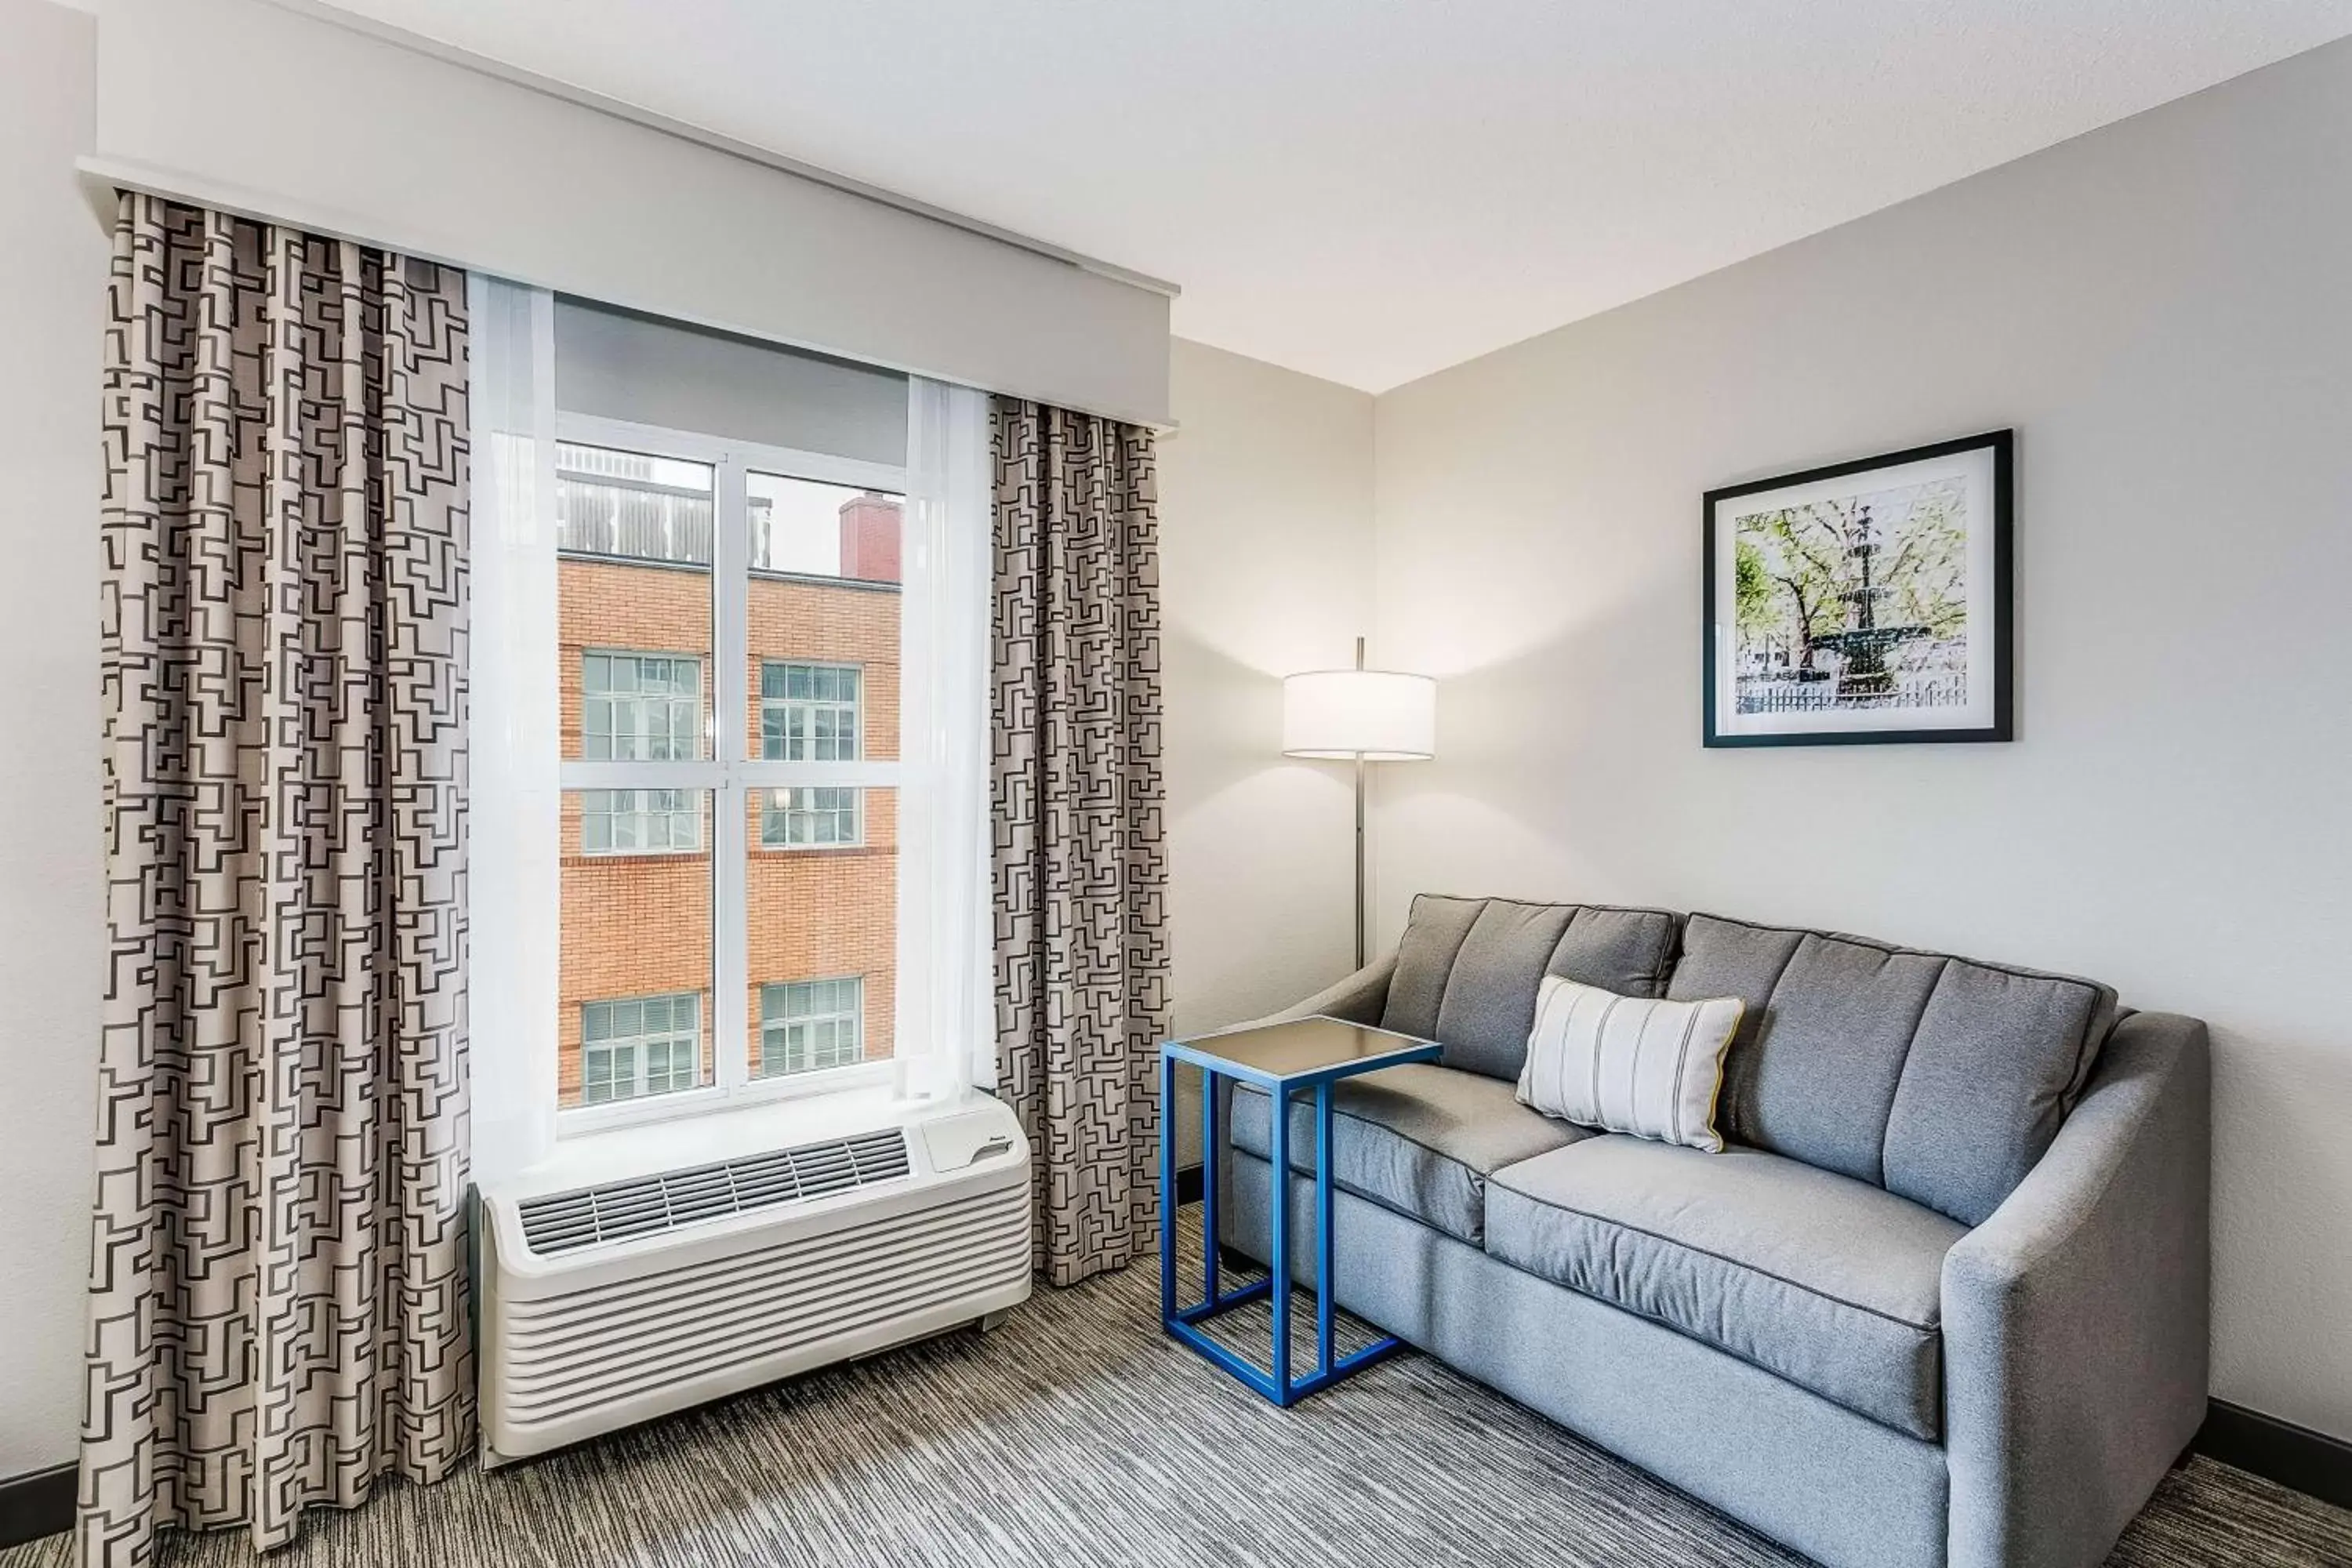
[1283, 1059]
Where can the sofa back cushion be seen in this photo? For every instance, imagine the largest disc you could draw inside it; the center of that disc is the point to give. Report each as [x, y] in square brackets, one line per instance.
[1433, 934]
[1939, 1079]
[1628, 950]
[1468, 970]
[1490, 993]
[1998, 1060]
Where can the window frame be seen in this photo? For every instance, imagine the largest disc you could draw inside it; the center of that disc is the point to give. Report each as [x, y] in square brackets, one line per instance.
[732, 767]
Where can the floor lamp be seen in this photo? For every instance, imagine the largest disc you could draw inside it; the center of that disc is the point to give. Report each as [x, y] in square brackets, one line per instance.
[1359, 716]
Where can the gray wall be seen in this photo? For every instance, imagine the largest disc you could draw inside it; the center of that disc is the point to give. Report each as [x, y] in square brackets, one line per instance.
[52, 919]
[2164, 310]
[1265, 506]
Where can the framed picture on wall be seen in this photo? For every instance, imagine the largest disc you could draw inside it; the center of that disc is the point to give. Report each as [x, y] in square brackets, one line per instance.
[1864, 602]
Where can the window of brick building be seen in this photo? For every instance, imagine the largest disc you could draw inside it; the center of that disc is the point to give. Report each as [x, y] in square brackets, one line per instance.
[639, 822]
[808, 712]
[810, 819]
[729, 648]
[646, 1045]
[640, 707]
[808, 1025]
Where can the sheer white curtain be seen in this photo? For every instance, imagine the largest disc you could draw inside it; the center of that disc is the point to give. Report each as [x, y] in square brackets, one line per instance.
[947, 1019]
[945, 1031]
[514, 879]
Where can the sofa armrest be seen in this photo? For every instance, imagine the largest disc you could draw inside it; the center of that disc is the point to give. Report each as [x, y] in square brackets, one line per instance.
[2076, 1319]
[1360, 998]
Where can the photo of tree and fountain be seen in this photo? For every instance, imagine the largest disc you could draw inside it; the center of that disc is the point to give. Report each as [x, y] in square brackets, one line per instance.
[1864, 602]
[1853, 601]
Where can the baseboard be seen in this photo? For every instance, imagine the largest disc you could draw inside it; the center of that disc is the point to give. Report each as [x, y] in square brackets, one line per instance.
[38, 1503]
[2311, 1462]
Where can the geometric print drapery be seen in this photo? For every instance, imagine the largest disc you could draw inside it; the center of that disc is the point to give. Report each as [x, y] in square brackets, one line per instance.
[277, 1308]
[1078, 860]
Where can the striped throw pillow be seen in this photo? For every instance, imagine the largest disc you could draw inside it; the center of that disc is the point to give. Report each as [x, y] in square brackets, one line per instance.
[1629, 1064]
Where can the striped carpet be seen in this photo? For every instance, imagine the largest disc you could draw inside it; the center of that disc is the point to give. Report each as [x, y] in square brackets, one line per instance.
[1076, 1433]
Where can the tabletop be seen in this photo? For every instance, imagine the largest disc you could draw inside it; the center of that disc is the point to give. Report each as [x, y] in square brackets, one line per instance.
[1304, 1048]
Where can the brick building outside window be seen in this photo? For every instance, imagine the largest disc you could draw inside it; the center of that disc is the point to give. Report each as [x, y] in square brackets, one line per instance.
[819, 881]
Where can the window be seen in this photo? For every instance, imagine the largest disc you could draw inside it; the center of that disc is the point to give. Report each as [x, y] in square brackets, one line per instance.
[729, 648]
[639, 822]
[810, 819]
[622, 811]
[640, 707]
[648, 1045]
[808, 712]
[808, 1025]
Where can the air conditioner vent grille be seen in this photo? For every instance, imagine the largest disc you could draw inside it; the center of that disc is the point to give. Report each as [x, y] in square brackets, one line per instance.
[617, 1211]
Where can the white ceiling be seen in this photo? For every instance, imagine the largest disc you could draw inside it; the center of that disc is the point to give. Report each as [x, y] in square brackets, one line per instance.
[1371, 190]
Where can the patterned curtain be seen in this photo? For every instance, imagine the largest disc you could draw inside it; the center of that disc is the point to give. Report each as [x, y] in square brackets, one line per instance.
[277, 1307]
[1078, 865]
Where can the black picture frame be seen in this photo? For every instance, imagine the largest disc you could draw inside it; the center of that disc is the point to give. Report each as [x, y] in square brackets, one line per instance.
[2000, 445]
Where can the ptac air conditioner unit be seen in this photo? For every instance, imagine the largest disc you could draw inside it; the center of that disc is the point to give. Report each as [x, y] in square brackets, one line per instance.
[611, 1302]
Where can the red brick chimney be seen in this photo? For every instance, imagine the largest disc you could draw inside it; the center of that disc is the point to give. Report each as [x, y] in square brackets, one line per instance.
[869, 538]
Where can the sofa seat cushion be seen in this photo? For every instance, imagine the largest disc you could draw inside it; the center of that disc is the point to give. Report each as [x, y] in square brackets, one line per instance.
[1832, 1283]
[1420, 1139]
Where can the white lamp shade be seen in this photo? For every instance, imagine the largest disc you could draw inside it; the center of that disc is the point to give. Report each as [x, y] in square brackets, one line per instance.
[1377, 715]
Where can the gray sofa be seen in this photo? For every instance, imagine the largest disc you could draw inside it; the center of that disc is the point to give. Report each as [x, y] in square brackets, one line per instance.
[1942, 1301]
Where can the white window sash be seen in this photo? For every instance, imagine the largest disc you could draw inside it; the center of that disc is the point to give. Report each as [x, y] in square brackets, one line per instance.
[642, 814]
[640, 699]
[856, 811]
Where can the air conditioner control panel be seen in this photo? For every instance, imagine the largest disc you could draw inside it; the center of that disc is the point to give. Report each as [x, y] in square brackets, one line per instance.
[969, 1137]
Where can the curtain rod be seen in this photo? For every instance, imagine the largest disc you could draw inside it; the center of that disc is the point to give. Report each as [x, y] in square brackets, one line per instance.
[702, 136]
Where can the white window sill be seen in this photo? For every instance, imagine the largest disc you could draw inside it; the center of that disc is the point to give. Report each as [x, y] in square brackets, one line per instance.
[588, 1156]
